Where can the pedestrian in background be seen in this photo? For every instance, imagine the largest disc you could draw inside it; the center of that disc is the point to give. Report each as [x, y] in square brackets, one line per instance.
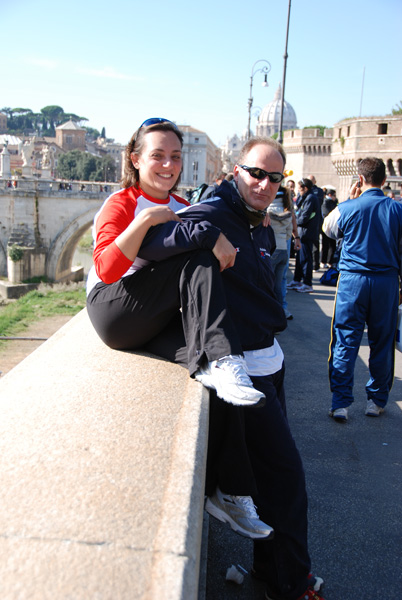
[370, 225]
[280, 213]
[319, 192]
[308, 217]
[328, 245]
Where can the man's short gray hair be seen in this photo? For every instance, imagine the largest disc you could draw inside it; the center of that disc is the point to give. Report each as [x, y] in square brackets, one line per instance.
[256, 141]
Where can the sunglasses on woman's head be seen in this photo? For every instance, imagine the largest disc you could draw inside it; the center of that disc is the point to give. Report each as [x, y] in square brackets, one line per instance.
[260, 174]
[153, 121]
[156, 120]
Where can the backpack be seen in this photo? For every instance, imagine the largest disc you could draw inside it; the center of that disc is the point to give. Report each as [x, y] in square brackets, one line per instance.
[195, 195]
[330, 277]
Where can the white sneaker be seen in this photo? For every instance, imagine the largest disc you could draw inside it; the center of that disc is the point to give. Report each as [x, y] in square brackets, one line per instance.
[339, 414]
[373, 410]
[293, 285]
[229, 378]
[305, 289]
[240, 513]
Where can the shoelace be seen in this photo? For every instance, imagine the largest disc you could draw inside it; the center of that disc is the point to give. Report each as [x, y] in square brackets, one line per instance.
[237, 366]
[249, 506]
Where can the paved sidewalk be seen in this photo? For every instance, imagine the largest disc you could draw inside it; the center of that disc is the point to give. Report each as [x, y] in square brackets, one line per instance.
[353, 471]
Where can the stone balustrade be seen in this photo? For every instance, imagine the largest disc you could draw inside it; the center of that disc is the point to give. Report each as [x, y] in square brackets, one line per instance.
[103, 466]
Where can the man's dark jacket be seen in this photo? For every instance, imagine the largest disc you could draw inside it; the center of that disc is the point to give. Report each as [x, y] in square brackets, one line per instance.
[249, 284]
[308, 217]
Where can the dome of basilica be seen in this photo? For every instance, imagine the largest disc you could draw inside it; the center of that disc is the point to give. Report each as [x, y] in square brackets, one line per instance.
[268, 121]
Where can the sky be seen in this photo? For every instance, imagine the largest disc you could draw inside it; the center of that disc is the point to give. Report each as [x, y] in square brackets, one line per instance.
[119, 62]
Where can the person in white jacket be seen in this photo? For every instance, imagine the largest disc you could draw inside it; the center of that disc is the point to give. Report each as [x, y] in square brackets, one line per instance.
[280, 213]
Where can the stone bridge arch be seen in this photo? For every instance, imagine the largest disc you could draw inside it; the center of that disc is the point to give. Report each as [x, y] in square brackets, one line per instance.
[60, 255]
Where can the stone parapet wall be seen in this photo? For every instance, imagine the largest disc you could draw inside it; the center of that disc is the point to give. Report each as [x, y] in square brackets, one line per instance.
[103, 470]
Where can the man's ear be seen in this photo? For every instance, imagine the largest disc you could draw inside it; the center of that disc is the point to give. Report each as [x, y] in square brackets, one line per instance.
[235, 173]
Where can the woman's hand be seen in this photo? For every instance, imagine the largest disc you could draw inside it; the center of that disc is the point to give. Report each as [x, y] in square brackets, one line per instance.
[130, 240]
[157, 215]
[224, 252]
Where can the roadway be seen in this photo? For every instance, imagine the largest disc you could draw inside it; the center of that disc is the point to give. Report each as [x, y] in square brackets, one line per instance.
[353, 472]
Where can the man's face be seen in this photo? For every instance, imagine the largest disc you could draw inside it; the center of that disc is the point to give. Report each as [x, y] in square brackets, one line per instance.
[259, 194]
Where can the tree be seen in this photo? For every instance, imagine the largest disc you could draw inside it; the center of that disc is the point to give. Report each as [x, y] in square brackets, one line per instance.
[73, 117]
[103, 133]
[108, 169]
[67, 165]
[92, 133]
[44, 122]
[83, 166]
[22, 111]
[87, 166]
[7, 111]
[398, 109]
[53, 114]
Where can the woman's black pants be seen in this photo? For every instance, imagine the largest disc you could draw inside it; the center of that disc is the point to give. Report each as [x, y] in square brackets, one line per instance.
[175, 308]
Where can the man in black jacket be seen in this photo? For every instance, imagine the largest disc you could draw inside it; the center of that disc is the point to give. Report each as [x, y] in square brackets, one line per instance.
[251, 451]
[319, 192]
[308, 217]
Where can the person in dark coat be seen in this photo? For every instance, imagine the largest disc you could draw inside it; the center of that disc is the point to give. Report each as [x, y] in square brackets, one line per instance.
[308, 217]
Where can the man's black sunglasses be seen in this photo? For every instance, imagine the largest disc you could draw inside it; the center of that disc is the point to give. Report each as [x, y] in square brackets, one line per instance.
[261, 174]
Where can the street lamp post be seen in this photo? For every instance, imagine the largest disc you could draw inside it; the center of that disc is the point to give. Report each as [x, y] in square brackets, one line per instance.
[265, 70]
[285, 58]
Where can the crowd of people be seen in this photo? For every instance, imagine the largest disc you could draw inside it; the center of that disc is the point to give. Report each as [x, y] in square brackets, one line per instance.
[204, 285]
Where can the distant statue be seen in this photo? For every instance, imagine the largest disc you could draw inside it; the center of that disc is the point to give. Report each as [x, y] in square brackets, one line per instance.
[5, 170]
[27, 152]
[45, 157]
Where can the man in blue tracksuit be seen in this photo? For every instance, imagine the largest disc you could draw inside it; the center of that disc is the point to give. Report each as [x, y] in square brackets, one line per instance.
[370, 224]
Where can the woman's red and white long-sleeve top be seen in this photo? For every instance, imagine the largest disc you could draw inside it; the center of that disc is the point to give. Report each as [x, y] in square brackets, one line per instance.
[116, 214]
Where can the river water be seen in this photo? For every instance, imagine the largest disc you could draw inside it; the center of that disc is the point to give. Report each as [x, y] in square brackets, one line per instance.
[83, 258]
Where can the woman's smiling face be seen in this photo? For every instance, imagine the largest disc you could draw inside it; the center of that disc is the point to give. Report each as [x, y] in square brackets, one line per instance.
[159, 163]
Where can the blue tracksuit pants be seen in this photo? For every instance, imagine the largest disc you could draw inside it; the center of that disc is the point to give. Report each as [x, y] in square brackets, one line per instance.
[360, 300]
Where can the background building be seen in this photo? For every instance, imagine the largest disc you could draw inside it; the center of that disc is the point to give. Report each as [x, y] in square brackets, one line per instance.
[269, 119]
[360, 137]
[201, 158]
[70, 136]
[116, 151]
[308, 152]
[230, 152]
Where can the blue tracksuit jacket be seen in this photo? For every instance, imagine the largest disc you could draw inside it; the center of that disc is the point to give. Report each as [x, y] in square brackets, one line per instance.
[371, 228]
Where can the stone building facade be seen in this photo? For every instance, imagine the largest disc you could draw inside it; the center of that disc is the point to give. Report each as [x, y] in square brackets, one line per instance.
[201, 158]
[230, 152]
[115, 151]
[70, 136]
[309, 153]
[354, 139]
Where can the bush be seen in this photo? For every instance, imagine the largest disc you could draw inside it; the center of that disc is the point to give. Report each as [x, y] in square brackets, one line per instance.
[15, 253]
